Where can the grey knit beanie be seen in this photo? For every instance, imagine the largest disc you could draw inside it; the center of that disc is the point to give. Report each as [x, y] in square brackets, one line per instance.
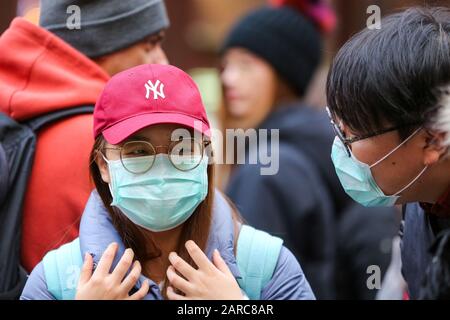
[106, 25]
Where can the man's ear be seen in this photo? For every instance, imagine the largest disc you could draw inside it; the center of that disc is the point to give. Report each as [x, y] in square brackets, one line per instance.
[434, 149]
[102, 167]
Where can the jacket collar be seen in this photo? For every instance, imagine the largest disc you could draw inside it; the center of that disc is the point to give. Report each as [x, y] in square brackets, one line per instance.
[97, 232]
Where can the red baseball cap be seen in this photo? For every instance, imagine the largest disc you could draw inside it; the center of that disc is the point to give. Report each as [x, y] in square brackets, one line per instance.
[145, 95]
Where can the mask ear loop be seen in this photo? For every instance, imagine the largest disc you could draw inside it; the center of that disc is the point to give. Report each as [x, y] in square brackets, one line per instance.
[104, 157]
[412, 182]
[396, 148]
[110, 177]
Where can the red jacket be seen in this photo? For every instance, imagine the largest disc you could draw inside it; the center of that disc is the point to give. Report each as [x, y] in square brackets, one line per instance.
[40, 73]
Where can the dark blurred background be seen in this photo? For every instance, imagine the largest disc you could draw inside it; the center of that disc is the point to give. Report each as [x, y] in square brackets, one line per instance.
[199, 26]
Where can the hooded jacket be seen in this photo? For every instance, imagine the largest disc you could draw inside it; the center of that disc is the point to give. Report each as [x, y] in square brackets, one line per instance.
[97, 232]
[40, 73]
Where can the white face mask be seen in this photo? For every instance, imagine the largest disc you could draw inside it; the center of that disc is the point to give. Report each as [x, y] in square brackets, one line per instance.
[357, 179]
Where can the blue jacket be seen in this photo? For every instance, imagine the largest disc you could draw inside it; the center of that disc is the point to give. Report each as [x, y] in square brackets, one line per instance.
[97, 232]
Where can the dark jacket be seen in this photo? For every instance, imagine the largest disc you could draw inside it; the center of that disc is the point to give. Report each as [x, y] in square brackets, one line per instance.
[299, 202]
[419, 232]
[364, 239]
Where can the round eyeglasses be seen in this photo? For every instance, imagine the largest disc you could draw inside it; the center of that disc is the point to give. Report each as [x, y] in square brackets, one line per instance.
[184, 154]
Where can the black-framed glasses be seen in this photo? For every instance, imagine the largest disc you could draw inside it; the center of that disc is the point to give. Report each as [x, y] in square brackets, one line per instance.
[184, 154]
[348, 141]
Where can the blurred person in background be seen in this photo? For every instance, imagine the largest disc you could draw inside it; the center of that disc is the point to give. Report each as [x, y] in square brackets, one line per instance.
[51, 68]
[268, 62]
[386, 105]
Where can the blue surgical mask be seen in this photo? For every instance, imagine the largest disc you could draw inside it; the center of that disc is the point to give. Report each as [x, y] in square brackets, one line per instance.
[160, 199]
[357, 179]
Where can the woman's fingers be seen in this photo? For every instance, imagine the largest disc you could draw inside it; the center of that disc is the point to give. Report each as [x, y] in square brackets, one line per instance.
[106, 260]
[141, 293]
[220, 263]
[86, 270]
[181, 266]
[172, 295]
[177, 281]
[130, 280]
[199, 257]
[123, 266]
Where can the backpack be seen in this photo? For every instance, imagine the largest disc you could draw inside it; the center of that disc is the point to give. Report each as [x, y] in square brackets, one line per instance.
[17, 148]
[257, 257]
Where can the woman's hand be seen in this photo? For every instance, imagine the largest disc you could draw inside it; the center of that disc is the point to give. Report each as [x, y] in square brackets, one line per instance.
[103, 285]
[211, 281]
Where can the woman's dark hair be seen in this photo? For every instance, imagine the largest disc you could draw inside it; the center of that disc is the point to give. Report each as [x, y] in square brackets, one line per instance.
[389, 77]
[196, 228]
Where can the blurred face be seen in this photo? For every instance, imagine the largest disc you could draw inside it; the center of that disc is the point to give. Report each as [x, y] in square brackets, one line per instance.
[148, 51]
[405, 164]
[250, 87]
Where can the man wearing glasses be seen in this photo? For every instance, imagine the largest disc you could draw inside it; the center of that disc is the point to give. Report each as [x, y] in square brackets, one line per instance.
[384, 101]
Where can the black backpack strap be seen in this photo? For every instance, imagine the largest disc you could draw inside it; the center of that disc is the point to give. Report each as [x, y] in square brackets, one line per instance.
[37, 123]
[15, 292]
[4, 174]
[17, 147]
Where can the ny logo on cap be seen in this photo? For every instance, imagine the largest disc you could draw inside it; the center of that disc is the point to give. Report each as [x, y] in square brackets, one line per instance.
[154, 87]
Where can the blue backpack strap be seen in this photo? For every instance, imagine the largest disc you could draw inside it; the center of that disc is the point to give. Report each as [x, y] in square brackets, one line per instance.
[257, 257]
[62, 270]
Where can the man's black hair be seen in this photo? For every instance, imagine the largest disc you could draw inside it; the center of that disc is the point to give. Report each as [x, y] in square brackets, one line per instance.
[390, 77]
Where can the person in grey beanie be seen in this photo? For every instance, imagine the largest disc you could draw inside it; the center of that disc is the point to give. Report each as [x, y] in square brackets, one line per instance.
[53, 69]
[116, 34]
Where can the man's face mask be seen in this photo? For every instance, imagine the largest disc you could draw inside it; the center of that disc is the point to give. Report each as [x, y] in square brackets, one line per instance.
[357, 179]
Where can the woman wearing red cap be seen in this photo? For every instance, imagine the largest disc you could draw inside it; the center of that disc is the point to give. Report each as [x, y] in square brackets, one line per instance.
[155, 227]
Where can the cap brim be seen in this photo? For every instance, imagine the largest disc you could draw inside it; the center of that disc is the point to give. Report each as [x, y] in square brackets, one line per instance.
[125, 128]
